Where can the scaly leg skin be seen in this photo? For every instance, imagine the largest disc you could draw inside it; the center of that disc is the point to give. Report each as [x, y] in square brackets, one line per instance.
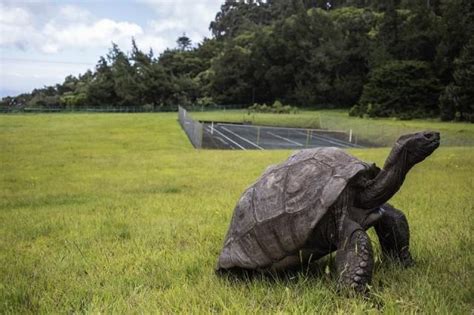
[354, 257]
[394, 235]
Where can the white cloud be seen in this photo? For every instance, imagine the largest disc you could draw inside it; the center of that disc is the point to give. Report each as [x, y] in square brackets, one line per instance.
[82, 35]
[70, 28]
[52, 28]
[166, 25]
[74, 13]
[183, 16]
[15, 16]
[16, 28]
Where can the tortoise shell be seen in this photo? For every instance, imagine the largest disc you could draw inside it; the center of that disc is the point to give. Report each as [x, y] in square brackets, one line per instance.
[276, 215]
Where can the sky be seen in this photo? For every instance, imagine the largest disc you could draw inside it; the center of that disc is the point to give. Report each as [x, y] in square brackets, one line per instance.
[41, 42]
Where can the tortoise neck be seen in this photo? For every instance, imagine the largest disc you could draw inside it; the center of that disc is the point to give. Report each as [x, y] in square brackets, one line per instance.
[397, 160]
[388, 180]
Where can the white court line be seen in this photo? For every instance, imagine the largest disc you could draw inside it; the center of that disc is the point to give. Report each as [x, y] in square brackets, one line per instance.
[286, 139]
[246, 140]
[227, 138]
[223, 141]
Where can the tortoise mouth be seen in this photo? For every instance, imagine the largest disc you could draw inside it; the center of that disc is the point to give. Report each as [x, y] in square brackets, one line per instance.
[435, 142]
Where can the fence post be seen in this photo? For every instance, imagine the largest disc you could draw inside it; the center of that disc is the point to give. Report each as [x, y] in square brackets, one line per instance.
[350, 136]
[307, 137]
[201, 133]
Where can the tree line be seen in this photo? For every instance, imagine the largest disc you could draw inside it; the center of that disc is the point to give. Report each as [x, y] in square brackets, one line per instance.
[398, 58]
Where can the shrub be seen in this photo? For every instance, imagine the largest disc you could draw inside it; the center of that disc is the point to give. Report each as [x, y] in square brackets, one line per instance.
[277, 108]
[356, 110]
[148, 107]
[205, 101]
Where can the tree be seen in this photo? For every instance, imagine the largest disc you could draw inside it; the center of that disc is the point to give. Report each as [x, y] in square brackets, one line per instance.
[125, 86]
[101, 90]
[231, 81]
[237, 17]
[141, 74]
[456, 26]
[184, 42]
[350, 72]
[402, 89]
[457, 101]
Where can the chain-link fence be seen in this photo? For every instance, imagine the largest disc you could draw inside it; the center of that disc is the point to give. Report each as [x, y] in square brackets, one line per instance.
[382, 133]
[331, 130]
[148, 108]
[192, 128]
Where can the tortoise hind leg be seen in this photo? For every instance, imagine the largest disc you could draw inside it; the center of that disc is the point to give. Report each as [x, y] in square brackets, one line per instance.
[394, 234]
[354, 257]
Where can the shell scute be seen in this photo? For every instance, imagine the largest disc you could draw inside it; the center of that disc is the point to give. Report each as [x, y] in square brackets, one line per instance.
[269, 199]
[302, 190]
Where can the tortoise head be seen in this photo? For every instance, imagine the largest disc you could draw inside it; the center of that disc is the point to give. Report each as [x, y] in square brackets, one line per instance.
[418, 146]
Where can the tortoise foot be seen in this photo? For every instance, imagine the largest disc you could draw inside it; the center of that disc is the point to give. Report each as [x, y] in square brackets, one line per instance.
[355, 262]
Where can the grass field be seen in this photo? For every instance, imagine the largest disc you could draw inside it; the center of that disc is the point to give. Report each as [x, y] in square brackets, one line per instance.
[380, 131]
[116, 213]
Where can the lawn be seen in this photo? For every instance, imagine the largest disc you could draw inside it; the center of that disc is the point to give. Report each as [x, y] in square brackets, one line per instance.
[117, 213]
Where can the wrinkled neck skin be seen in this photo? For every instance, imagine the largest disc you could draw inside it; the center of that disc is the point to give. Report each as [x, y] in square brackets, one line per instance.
[387, 182]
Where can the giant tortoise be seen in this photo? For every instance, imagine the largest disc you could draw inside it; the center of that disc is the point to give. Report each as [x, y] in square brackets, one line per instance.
[323, 200]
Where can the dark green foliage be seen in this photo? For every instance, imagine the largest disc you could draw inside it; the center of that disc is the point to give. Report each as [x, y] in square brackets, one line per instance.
[236, 17]
[402, 89]
[232, 80]
[101, 90]
[456, 26]
[43, 98]
[457, 100]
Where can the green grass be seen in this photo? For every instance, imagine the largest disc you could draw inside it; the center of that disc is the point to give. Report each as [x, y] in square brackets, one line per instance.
[380, 131]
[116, 213]
[302, 119]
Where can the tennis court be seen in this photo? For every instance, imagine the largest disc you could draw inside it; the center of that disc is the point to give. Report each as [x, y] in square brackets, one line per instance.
[221, 135]
[250, 137]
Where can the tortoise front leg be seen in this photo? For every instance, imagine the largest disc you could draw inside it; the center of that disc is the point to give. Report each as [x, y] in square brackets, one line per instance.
[354, 257]
[394, 234]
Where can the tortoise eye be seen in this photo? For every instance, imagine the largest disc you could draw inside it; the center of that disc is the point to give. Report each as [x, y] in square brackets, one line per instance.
[429, 135]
